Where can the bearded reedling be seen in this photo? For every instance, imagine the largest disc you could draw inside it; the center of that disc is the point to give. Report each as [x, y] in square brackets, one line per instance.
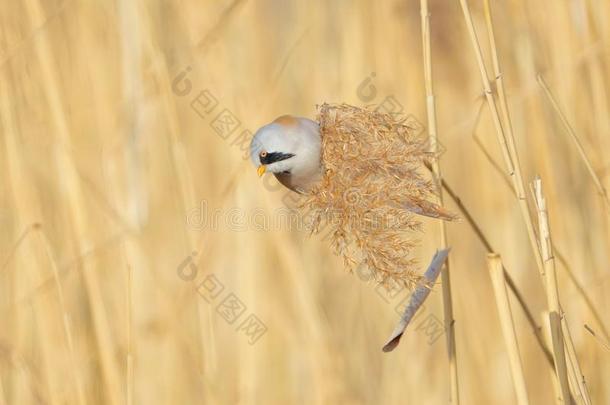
[359, 171]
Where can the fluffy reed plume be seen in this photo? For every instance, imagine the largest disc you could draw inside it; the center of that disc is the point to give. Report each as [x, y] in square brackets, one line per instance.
[371, 187]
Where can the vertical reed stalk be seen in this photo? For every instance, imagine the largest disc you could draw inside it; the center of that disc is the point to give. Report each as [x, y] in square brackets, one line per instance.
[2, 394]
[496, 271]
[29, 209]
[562, 260]
[574, 363]
[507, 123]
[511, 284]
[67, 173]
[129, 376]
[436, 172]
[74, 366]
[186, 197]
[511, 159]
[546, 330]
[552, 293]
[597, 78]
[327, 382]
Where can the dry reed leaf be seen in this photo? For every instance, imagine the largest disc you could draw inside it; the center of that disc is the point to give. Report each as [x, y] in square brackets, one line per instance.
[370, 190]
[417, 298]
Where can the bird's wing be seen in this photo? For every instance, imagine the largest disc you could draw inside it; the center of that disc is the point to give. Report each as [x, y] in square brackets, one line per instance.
[428, 209]
[288, 181]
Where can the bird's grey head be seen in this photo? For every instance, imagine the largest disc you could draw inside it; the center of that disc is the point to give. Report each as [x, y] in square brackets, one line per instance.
[273, 150]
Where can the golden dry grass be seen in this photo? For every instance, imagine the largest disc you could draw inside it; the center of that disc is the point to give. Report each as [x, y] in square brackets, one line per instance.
[113, 155]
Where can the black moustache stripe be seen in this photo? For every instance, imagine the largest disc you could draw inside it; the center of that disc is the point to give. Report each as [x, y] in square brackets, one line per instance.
[275, 157]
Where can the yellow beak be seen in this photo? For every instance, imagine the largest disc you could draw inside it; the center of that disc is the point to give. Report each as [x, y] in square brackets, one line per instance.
[261, 170]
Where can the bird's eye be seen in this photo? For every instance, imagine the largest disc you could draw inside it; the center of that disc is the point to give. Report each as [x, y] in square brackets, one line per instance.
[263, 154]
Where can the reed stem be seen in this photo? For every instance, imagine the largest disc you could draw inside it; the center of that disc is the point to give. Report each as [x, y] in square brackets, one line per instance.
[449, 320]
[496, 271]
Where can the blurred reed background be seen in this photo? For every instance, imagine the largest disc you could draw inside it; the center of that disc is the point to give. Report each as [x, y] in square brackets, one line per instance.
[112, 153]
